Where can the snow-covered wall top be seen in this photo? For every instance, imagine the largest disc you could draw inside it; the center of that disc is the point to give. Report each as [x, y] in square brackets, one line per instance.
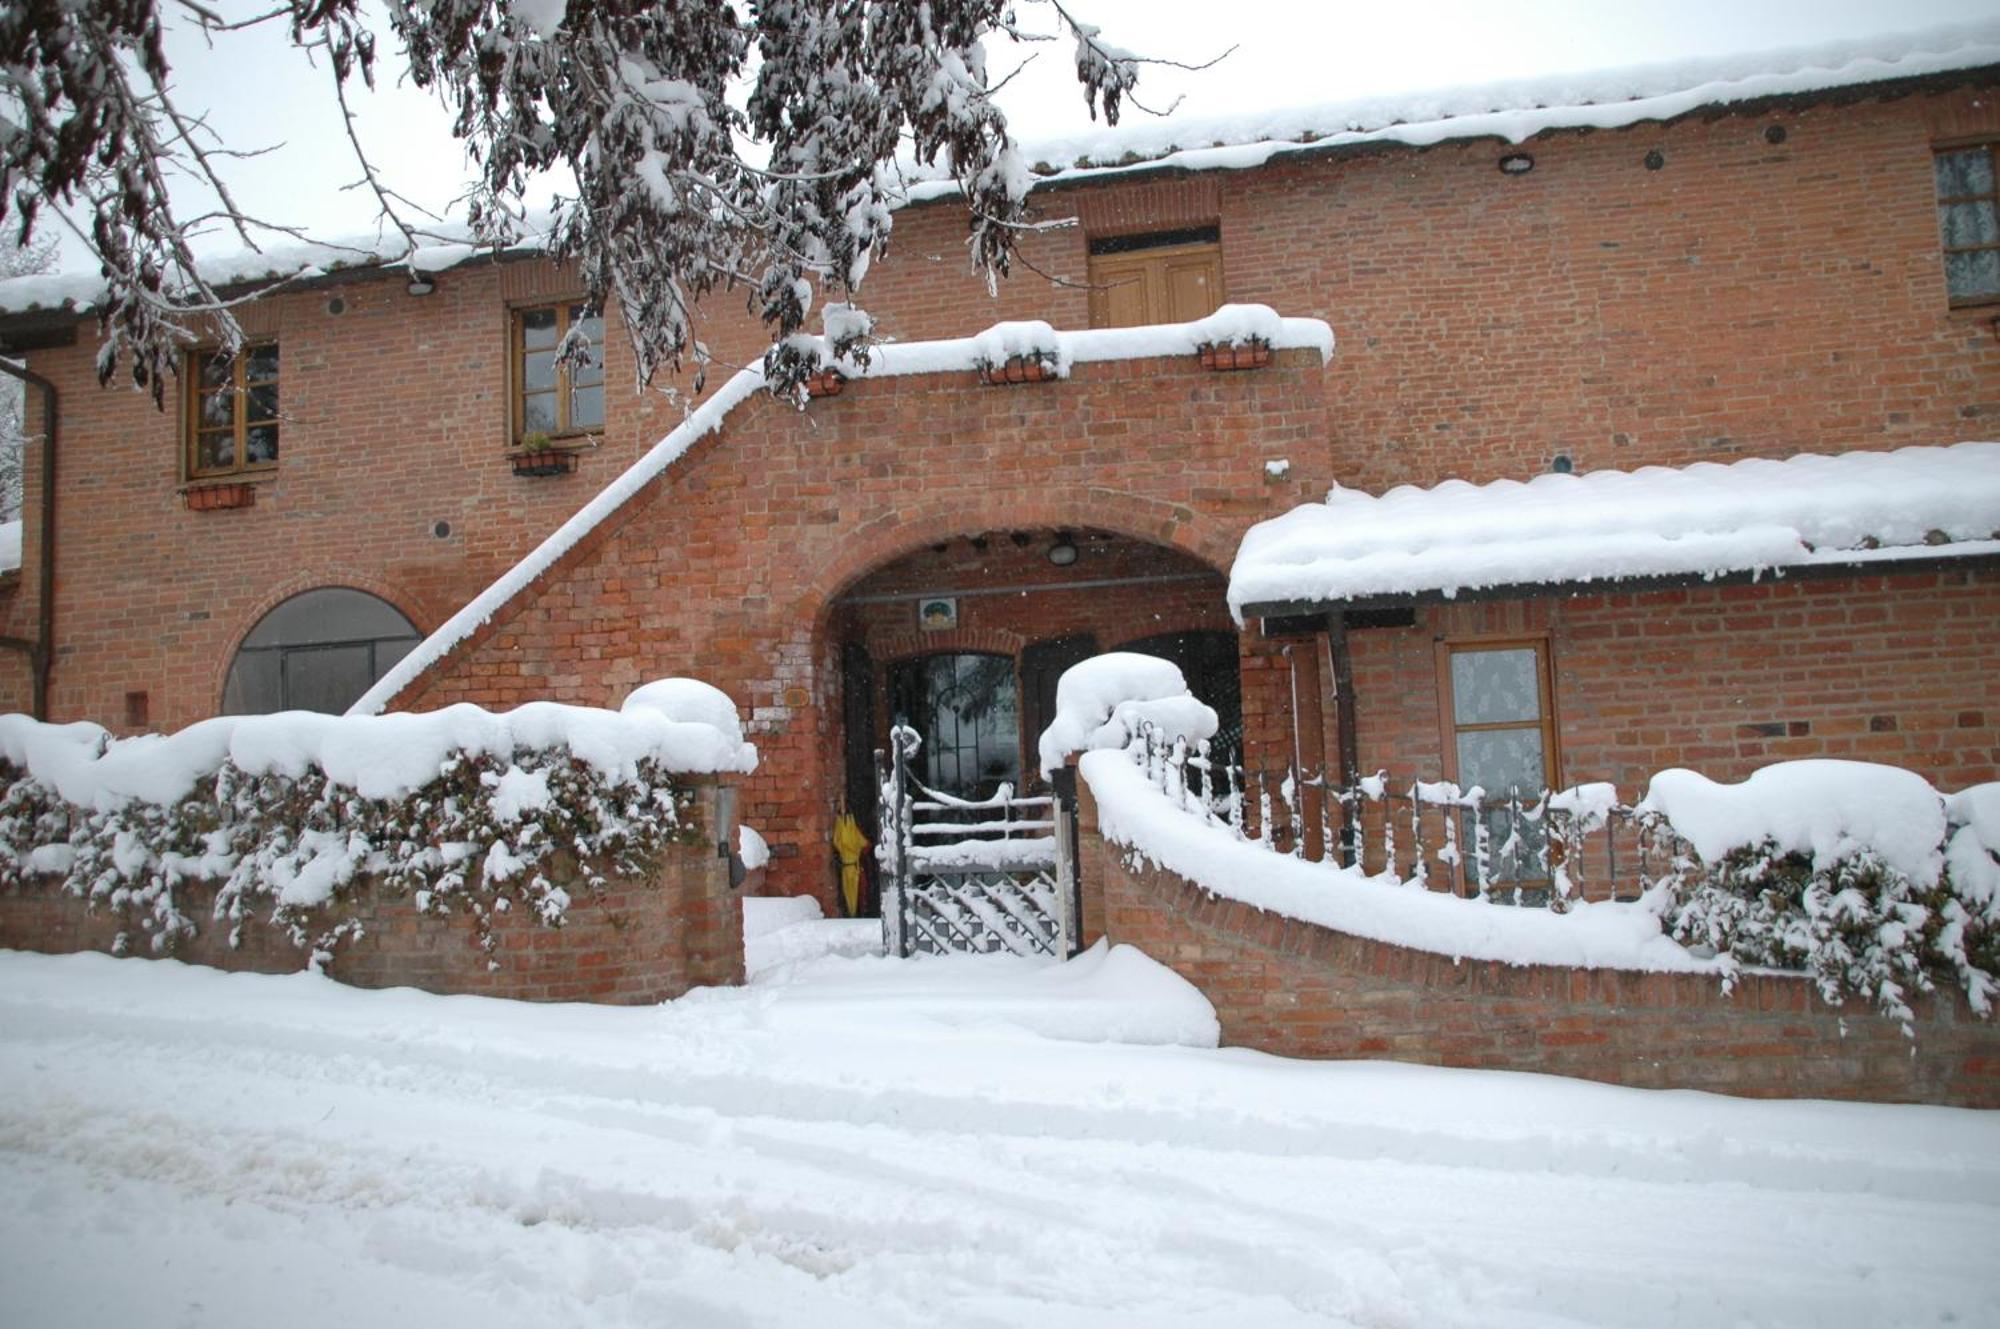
[1134, 813]
[1230, 324]
[1707, 519]
[378, 757]
[1512, 111]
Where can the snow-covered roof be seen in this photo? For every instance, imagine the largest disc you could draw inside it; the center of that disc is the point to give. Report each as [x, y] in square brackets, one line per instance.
[1707, 519]
[1231, 324]
[1514, 111]
[288, 262]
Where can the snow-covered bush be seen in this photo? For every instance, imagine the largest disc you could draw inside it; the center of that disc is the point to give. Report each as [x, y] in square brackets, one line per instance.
[1863, 876]
[462, 810]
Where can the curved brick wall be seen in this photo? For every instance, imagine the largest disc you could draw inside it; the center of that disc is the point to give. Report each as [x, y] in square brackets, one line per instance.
[1300, 990]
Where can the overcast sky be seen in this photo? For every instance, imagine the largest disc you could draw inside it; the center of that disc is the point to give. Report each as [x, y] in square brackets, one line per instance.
[260, 92]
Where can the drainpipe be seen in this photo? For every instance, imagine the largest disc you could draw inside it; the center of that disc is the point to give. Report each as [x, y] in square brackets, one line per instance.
[1350, 746]
[41, 649]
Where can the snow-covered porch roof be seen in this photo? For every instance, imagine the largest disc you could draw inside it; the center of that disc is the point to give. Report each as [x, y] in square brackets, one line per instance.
[1557, 532]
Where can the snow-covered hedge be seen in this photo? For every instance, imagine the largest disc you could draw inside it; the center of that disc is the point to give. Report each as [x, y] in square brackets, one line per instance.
[462, 809]
[1863, 876]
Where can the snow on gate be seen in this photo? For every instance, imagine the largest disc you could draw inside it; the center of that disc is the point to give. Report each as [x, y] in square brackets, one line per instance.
[976, 877]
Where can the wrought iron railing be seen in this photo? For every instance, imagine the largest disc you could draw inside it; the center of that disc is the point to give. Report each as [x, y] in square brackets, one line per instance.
[1533, 847]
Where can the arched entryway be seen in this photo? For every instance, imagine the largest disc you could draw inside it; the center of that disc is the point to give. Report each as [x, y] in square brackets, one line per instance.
[963, 640]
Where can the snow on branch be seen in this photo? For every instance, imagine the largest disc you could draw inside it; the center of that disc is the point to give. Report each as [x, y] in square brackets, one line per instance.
[680, 191]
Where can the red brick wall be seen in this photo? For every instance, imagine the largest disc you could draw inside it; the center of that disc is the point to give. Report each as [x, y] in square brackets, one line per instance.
[730, 571]
[636, 942]
[1895, 669]
[395, 417]
[1298, 990]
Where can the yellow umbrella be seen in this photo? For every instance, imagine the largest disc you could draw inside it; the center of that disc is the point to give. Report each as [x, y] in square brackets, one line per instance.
[849, 843]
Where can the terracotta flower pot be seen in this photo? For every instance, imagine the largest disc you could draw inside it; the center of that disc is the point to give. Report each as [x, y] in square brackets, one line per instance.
[1249, 355]
[553, 461]
[826, 383]
[209, 498]
[1017, 369]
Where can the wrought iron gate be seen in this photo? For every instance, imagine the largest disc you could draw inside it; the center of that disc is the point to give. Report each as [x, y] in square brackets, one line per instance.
[974, 877]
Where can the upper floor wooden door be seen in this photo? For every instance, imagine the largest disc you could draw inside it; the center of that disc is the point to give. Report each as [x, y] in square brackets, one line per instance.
[1168, 284]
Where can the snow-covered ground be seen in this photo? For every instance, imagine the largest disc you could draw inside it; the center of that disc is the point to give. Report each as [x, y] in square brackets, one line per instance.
[854, 1140]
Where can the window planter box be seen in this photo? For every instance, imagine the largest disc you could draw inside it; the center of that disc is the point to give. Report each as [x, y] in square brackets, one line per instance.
[212, 497]
[826, 383]
[1018, 369]
[1249, 355]
[554, 461]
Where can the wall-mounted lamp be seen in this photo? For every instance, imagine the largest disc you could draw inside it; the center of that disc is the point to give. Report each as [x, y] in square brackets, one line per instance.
[1063, 552]
[421, 283]
[1516, 163]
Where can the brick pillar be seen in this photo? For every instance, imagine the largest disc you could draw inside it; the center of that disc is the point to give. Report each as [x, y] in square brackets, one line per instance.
[706, 910]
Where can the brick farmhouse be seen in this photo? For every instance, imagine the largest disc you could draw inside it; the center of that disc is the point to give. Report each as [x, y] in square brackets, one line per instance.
[1804, 260]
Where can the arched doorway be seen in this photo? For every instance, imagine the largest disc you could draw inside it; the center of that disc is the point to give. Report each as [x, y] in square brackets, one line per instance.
[963, 640]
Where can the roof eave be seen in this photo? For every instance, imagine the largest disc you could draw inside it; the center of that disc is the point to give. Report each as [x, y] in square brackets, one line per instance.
[1890, 89]
[1863, 564]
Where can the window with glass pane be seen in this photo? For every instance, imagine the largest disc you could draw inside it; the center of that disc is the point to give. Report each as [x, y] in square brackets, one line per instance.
[965, 708]
[1500, 738]
[318, 651]
[232, 411]
[550, 397]
[1968, 201]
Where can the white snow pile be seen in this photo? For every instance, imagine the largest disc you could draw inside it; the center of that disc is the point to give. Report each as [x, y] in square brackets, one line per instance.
[385, 757]
[459, 807]
[780, 931]
[867, 1144]
[1108, 701]
[963, 355]
[1825, 809]
[10, 545]
[751, 847]
[1231, 325]
[1112, 994]
[1136, 814]
[1708, 519]
[1972, 855]
[1513, 111]
[1863, 876]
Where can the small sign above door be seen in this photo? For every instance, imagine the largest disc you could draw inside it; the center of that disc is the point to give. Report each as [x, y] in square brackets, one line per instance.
[939, 614]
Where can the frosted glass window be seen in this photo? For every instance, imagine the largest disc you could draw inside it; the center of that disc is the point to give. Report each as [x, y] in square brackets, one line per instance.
[1501, 737]
[1968, 203]
[1495, 687]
